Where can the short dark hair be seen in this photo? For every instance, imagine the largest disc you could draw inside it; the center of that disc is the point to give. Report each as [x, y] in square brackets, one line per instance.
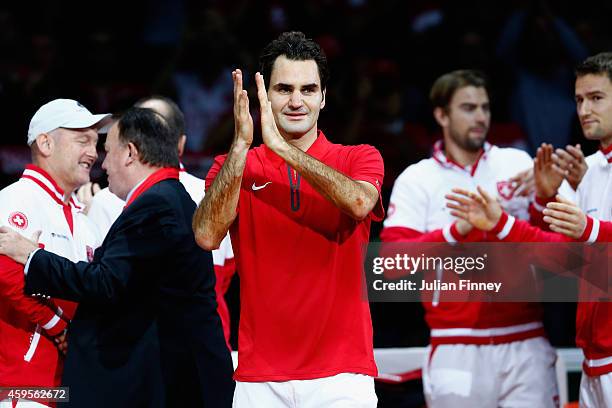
[600, 64]
[296, 47]
[445, 87]
[174, 116]
[152, 136]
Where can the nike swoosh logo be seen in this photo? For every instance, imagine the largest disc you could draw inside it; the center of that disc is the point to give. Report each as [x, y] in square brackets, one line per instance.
[255, 188]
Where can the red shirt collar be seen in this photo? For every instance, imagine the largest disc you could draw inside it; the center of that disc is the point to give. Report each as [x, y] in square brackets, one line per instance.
[316, 150]
[607, 152]
[164, 173]
[444, 161]
[46, 182]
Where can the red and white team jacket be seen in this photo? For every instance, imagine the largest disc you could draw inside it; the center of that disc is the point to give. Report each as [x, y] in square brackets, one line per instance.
[417, 213]
[106, 207]
[28, 355]
[593, 319]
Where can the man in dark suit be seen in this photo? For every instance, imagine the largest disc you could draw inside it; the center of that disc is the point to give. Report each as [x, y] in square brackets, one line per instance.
[146, 333]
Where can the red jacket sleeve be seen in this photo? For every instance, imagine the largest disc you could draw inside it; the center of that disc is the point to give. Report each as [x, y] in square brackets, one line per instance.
[536, 217]
[597, 231]
[11, 292]
[403, 234]
[510, 229]
[605, 231]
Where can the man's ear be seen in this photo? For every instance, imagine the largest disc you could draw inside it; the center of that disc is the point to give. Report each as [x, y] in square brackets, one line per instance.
[181, 145]
[45, 144]
[323, 100]
[132, 153]
[441, 116]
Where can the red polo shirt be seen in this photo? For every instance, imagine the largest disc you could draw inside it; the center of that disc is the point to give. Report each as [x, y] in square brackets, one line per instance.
[300, 260]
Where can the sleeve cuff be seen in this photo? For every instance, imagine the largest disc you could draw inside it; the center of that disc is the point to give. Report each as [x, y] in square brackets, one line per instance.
[591, 231]
[27, 264]
[378, 212]
[451, 234]
[540, 203]
[504, 226]
[55, 326]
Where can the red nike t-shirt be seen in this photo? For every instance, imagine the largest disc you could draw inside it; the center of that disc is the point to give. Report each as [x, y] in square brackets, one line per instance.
[303, 309]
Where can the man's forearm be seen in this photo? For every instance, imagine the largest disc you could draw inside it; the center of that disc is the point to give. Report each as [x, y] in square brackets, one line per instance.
[350, 196]
[11, 291]
[217, 210]
[107, 281]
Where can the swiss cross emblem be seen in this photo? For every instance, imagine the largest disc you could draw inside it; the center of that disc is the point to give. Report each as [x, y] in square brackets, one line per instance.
[505, 190]
[18, 220]
[90, 253]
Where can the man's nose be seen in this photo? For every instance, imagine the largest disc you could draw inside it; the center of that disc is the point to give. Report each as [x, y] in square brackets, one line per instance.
[93, 152]
[296, 100]
[584, 108]
[481, 115]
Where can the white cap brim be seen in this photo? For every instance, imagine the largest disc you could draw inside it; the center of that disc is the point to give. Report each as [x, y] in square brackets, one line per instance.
[86, 120]
[64, 113]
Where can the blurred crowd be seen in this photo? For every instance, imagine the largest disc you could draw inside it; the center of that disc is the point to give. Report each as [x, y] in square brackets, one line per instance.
[384, 56]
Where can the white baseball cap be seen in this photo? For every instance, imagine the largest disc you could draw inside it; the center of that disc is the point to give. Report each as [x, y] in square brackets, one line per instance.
[62, 113]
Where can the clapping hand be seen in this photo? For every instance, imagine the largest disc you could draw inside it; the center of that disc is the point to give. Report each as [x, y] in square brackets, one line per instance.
[565, 218]
[479, 209]
[572, 163]
[269, 132]
[548, 176]
[523, 184]
[243, 122]
[85, 194]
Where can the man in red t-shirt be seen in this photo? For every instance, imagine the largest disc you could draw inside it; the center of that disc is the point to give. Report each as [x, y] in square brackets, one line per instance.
[298, 209]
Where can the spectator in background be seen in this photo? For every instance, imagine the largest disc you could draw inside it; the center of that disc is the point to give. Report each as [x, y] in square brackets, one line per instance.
[106, 207]
[467, 336]
[11, 81]
[593, 95]
[376, 115]
[542, 50]
[202, 81]
[147, 333]
[62, 137]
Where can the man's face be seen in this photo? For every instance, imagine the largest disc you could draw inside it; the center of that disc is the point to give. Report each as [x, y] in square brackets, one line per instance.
[468, 118]
[594, 106]
[296, 96]
[115, 163]
[73, 157]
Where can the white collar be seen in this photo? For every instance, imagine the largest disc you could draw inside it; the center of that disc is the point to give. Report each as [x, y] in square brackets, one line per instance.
[127, 199]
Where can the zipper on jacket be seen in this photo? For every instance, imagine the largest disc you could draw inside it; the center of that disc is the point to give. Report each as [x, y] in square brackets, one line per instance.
[294, 185]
